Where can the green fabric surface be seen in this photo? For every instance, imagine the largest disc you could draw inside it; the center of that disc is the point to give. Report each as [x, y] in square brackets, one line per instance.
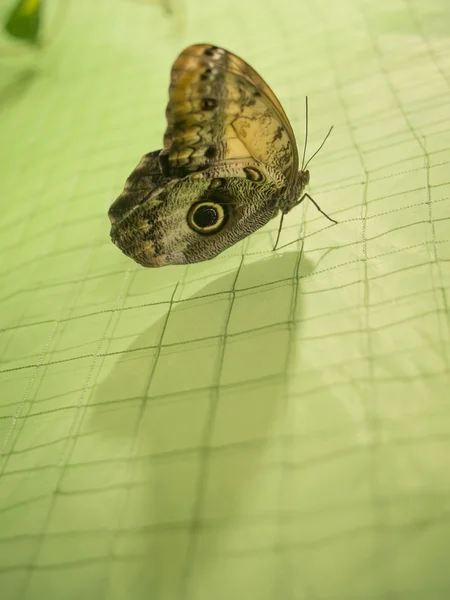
[266, 425]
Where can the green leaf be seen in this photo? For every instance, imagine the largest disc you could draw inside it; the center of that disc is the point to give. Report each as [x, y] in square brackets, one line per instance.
[24, 20]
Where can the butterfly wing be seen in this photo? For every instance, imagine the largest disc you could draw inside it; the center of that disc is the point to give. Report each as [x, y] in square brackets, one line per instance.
[221, 112]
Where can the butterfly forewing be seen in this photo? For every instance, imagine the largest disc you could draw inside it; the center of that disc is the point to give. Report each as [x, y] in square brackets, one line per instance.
[220, 109]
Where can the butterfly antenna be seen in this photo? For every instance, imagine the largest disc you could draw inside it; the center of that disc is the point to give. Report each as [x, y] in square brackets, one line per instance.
[320, 147]
[306, 135]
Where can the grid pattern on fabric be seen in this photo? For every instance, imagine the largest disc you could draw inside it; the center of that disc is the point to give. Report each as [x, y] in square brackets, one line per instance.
[264, 425]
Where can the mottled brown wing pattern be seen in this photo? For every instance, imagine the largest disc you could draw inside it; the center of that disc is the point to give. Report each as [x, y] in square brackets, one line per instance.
[219, 110]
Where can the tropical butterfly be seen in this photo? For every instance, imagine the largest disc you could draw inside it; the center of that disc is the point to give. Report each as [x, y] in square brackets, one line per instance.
[229, 165]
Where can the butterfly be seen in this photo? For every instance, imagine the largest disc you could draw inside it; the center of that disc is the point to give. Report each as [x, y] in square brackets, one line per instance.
[229, 164]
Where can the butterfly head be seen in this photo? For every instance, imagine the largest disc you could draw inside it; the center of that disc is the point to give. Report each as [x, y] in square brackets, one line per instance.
[302, 180]
[293, 194]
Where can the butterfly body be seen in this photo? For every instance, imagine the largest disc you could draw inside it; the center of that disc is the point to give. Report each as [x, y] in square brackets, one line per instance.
[228, 166]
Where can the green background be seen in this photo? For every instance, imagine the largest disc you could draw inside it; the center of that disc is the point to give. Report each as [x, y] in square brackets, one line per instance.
[264, 425]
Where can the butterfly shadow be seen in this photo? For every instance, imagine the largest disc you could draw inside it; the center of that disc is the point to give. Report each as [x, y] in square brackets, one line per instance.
[17, 87]
[193, 409]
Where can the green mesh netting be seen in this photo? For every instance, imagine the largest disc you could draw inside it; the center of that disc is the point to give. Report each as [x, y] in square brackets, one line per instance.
[264, 425]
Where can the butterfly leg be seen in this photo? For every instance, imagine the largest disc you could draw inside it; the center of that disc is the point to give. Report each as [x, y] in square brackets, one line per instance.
[279, 232]
[296, 204]
[316, 205]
